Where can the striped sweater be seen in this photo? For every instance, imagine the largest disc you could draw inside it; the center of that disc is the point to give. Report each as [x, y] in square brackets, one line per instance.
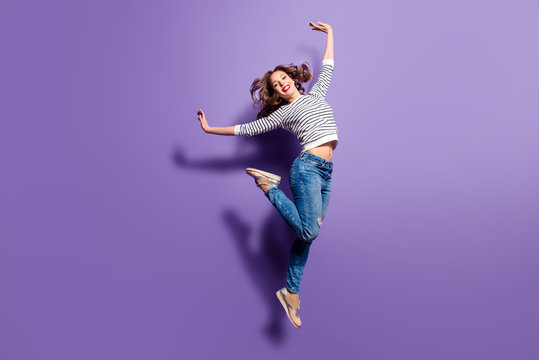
[309, 116]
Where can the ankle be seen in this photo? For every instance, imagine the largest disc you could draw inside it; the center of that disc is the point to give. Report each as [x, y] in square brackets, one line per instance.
[265, 188]
[293, 298]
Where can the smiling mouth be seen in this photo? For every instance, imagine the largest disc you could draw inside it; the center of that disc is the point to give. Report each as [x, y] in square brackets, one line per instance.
[286, 88]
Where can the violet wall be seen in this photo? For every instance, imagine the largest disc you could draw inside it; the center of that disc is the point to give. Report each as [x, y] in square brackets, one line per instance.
[128, 233]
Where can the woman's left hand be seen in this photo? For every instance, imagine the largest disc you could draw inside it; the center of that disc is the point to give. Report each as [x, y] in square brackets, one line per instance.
[321, 27]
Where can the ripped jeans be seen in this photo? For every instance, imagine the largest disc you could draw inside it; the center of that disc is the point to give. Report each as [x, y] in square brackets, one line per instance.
[310, 182]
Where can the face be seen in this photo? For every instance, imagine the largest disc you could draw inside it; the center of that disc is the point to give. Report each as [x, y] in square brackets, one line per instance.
[283, 84]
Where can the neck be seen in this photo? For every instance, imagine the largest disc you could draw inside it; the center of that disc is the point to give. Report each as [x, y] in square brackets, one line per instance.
[294, 97]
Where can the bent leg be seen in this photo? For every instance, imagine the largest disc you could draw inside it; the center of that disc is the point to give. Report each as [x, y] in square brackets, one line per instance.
[286, 208]
[306, 188]
[304, 215]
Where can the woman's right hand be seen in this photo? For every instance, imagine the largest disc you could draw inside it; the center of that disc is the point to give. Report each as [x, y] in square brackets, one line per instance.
[217, 130]
[202, 119]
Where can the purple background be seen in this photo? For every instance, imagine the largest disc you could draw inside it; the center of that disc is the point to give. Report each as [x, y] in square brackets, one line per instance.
[128, 233]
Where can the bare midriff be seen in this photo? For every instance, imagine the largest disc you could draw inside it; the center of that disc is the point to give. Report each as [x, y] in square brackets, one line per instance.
[325, 151]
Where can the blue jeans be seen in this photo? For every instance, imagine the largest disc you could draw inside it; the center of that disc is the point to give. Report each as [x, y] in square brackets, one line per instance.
[310, 182]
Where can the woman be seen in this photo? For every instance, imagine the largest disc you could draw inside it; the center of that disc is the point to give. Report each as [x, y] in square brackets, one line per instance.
[310, 118]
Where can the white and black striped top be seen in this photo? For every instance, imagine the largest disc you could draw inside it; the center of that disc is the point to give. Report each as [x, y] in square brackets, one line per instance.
[309, 116]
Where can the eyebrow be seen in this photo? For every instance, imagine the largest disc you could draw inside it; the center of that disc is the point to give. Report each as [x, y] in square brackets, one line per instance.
[275, 80]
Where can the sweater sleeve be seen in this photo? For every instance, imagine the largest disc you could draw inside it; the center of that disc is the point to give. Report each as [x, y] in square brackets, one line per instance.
[321, 86]
[262, 125]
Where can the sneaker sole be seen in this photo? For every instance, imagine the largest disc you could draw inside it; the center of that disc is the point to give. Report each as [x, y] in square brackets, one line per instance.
[265, 173]
[285, 306]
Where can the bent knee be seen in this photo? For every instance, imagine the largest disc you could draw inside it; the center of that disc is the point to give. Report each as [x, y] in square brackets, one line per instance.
[308, 235]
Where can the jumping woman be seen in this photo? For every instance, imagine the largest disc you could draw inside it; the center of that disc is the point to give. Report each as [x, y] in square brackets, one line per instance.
[310, 118]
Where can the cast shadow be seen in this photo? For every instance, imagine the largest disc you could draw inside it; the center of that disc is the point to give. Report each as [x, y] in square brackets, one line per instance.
[274, 152]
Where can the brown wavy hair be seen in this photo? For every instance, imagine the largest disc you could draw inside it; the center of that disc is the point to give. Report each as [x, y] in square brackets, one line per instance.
[265, 96]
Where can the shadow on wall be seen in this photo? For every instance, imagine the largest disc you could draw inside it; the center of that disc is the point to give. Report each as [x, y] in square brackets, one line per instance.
[274, 152]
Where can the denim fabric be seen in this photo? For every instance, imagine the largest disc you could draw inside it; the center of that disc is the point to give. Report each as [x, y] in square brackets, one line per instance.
[310, 182]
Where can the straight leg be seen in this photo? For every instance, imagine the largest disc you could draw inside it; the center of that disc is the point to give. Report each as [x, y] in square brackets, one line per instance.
[296, 264]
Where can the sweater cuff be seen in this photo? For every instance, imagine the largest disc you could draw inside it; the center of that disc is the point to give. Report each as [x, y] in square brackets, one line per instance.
[236, 130]
[328, 61]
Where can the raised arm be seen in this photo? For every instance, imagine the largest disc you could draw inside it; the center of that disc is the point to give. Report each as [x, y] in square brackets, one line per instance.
[321, 86]
[326, 28]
